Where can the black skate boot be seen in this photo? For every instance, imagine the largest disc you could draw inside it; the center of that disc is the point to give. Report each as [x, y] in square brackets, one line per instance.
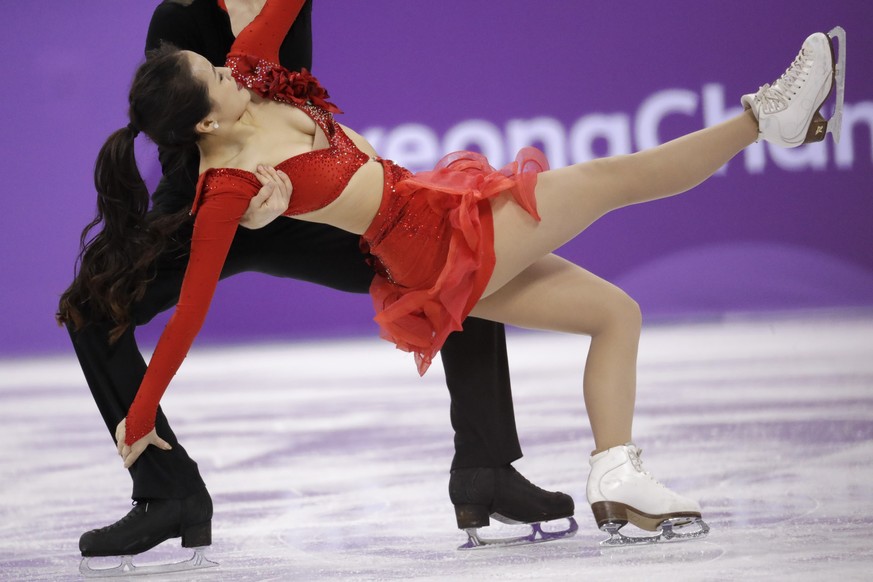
[146, 525]
[151, 522]
[504, 494]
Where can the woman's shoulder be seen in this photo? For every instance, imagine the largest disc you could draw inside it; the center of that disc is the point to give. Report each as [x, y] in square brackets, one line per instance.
[226, 178]
[224, 183]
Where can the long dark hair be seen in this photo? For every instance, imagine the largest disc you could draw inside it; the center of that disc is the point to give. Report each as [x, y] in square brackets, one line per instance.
[115, 266]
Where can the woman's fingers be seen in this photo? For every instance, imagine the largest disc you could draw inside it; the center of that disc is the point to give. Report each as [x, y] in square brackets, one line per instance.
[267, 174]
[161, 443]
[132, 453]
[262, 176]
[286, 181]
[120, 433]
[266, 192]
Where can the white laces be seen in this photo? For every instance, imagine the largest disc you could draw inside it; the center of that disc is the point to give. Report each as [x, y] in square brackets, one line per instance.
[775, 97]
[634, 454]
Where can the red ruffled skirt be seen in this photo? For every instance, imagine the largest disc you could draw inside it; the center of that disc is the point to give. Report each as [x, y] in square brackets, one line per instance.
[432, 242]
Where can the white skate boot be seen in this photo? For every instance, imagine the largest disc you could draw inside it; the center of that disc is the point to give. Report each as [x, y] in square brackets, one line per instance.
[788, 109]
[620, 491]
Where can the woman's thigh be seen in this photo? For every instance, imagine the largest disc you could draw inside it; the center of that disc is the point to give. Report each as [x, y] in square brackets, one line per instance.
[568, 201]
[556, 295]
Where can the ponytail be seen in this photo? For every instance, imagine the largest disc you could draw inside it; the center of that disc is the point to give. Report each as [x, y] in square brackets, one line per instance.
[115, 266]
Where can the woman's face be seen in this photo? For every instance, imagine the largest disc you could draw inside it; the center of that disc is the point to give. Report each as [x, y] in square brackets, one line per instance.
[229, 98]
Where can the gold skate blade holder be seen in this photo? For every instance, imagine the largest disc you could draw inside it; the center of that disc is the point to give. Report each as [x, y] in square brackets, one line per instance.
[835, 123]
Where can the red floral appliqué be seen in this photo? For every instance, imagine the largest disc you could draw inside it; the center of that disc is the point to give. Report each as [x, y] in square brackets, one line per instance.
[273, 81]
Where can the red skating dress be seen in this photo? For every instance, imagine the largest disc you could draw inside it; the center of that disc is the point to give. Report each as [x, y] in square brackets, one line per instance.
[431, 240]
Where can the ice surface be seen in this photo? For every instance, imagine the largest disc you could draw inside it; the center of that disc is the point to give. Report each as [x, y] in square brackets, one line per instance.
[330, 461]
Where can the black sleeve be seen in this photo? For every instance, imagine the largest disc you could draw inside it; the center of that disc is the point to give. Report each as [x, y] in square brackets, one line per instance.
[204, 28]
[200, 26]
[296, 50]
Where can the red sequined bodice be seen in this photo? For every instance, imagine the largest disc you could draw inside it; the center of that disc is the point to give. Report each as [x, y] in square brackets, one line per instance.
[318, 176]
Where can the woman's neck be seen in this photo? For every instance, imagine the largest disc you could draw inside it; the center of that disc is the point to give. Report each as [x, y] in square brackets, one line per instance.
[219, 150]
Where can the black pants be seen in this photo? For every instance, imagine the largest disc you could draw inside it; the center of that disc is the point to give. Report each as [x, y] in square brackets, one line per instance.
[474, 360]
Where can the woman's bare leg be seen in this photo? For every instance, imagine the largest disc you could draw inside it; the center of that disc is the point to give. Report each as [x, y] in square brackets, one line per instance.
[570, 199]
[554, 294]
[557, 295]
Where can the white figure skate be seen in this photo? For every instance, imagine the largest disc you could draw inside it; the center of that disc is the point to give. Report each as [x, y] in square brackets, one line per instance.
[621, 492]
[788, 109]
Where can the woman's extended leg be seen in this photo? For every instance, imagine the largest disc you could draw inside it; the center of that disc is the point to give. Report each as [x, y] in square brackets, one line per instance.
[556, 295]
[570, 199]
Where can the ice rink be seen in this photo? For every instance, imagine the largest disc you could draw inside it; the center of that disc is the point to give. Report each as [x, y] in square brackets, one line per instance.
[330, 461]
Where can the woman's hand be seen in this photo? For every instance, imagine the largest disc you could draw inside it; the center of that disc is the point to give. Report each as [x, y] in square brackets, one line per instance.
[271, 201]
[242, 12]
[129, 454]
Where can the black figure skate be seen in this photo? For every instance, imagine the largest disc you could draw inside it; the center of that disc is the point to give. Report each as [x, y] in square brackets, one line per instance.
[505, 495]
[146, 525]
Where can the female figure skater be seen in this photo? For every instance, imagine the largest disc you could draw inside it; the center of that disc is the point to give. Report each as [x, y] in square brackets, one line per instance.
[461, 240]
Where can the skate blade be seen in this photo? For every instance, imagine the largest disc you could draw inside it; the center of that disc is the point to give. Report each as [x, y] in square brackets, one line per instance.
[835, 123]
[668, 533]
[128, 568]
[537, 535]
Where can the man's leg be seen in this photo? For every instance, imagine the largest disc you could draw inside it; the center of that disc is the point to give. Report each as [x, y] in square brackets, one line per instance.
[477, 375]
[171, 498]
[483, 481]
[113, 373]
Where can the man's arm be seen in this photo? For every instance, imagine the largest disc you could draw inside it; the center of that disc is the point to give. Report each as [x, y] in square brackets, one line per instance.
[199, 26]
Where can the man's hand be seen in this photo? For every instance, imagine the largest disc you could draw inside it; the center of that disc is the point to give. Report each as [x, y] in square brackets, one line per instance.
[270, 201]
[242, 12]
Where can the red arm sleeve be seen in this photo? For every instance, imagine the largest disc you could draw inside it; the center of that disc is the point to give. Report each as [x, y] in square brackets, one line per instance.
[264, 35]
[214, 229]
[254, 59]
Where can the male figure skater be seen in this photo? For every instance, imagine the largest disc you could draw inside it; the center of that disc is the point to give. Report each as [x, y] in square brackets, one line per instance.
[170, 496]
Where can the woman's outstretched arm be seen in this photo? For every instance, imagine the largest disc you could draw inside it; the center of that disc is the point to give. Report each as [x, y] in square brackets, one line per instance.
[214, 229]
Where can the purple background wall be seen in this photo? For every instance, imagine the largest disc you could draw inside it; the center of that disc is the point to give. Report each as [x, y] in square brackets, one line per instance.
[776, 230]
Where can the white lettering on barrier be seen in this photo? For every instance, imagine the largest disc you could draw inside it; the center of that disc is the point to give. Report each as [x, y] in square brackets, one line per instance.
[412, 145]
[479, 136]
[656, 108]
[613, 130]
[418, 147]
[546, 133]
